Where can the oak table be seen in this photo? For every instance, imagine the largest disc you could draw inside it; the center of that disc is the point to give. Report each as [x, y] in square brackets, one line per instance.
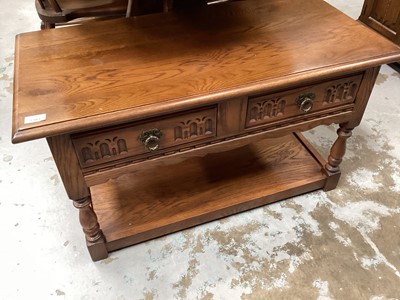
[162, 122]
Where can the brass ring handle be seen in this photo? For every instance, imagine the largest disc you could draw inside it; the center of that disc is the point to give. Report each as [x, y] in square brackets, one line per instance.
[151, 139]
[151, 143]
[306, 102]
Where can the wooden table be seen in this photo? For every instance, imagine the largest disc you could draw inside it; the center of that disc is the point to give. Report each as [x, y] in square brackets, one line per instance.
[162, 122]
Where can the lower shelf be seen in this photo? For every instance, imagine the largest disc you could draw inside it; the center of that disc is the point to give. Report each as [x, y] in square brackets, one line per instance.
[150, 203]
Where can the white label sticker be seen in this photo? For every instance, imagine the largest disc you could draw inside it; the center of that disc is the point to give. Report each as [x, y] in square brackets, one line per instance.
[34, 119]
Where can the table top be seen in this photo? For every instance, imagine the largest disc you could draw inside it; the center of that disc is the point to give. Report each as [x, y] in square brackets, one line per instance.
[105, 73]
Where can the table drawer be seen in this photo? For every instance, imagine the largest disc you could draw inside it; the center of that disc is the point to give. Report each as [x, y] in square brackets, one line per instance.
[150, 137]
[264, 109]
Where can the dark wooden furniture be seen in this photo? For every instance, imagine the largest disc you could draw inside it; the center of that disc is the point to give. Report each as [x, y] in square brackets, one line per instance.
[56, 12]
[72, 12]
[62, 12]
[162, 122]
[384, 17]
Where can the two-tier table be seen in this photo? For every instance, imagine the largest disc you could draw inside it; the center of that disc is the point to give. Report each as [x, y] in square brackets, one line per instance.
[162, 122]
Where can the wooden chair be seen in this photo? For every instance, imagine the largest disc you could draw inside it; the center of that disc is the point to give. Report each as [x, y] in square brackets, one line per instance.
[64, 12]
[384, 17]
[61, 12]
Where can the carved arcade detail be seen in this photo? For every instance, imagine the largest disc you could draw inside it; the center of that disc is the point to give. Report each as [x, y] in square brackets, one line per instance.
[344, 91]
[267, 109]
[194, 128]
[103, 149]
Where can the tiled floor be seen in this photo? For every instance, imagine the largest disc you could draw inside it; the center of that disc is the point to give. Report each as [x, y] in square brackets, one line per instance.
[344, 244]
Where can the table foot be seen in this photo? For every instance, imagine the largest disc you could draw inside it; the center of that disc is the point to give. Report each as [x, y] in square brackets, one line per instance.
[97, 250]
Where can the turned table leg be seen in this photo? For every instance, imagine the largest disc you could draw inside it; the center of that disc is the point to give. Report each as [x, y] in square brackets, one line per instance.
[91, 228]
[337, 152]
[77, 190]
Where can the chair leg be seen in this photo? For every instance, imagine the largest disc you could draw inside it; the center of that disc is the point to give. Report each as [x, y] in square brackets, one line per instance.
[129, 9]
[47, 25]
[55, 6]
[167, 5]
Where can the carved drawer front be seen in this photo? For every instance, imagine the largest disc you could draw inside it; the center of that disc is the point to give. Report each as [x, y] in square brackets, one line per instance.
[270, 108]
[152, 137]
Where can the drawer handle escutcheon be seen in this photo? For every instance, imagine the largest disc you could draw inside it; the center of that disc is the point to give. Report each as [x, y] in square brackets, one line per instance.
[305, 102]
[151, 138]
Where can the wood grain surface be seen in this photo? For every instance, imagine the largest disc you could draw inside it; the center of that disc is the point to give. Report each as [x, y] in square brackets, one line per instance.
[112, 72]
[156, 201]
